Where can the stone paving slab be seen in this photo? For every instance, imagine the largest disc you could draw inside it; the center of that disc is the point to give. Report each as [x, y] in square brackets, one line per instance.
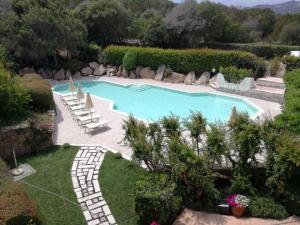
[86, 186]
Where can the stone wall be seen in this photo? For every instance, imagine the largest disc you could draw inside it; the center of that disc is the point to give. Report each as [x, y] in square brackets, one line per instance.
[245, 85]
[25, 138]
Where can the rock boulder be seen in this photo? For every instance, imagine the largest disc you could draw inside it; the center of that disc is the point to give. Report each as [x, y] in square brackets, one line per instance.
[68, 74]
[204, 78]
[27, 70]
[86, 71]
[93, 65]
[160, 73]
[138, 71]
[100, 70]
[125, 73]
[190, 78]
[76, 75]
[120, 71]
[147, 73]
[60, 75]
[175, 78]
[132, 75]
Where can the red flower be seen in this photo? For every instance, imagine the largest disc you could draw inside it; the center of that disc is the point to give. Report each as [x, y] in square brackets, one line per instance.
[231, 200]
[154, 223]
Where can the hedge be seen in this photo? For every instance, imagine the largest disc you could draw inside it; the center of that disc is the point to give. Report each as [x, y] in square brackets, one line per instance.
[40, 91]
[264, 50]
[184, 61]
[291, 62]
[290, 117]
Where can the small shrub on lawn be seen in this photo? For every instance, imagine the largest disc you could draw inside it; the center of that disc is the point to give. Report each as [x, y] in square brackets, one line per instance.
[66, 146]
[40, 91]
[15, 203]
[267, 208]
[291, 62]
[130, 60]
[235, 75]
[184, 61]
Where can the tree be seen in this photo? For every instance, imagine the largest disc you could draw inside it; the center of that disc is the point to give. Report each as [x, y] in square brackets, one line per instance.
[290, 34]
[107, 21]
[150, 28]
[36, 32]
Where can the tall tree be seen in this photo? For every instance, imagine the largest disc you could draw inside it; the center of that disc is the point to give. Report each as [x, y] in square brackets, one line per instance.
[107, 21]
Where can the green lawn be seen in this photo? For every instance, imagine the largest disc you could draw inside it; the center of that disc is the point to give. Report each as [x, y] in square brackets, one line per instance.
[54, 174]
[117, 180]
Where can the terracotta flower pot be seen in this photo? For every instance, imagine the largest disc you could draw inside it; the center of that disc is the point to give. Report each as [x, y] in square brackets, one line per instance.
[237, 211]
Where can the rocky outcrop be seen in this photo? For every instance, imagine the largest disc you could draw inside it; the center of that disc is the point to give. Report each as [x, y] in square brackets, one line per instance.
[111, 70]
[175, 78]
[93, 65]
[100, 70]
[204, 78]
[76, 75]
[68, 74]
[60, 75]
[147, 73]
[86, 71]
[160, 73]
[190, 78]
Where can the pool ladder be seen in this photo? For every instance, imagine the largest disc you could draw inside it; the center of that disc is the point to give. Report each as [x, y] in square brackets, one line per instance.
[139, 88]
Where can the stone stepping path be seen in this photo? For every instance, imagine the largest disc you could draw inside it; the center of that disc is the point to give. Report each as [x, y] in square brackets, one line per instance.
[85, 172]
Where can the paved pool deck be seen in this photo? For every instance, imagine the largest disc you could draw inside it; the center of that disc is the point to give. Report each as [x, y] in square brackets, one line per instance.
[68, 131]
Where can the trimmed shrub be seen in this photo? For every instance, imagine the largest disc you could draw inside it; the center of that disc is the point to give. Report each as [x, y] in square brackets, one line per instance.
[13, 97]
[267, 208]
[40, 91]
[155, 200]
[129, 60]
[291, 62]
[290, 117]
[264, 50]
[235, 75]
[184, 61]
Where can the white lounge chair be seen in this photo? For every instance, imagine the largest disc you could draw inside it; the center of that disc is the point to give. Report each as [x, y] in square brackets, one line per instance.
[82, 112]
[76, 108]
[69, 98]
[82, 120]
[74, 103]
[95, 125]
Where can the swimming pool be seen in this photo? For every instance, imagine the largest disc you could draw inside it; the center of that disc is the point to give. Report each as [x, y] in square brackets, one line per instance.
[152, 102]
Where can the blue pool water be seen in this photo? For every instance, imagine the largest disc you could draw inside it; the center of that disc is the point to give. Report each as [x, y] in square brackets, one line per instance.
[152, 103]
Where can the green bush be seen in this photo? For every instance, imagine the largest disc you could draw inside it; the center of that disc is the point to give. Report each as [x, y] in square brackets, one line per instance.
[13, 97]
[40, 91]
[291, 62]
[264, 50]
[155, 200]
[235, 75]
[241, 185]
[184, 61]
[267, 208]
[129, 60]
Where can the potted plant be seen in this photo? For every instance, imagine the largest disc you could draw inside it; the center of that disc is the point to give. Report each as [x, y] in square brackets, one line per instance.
[238, 204]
